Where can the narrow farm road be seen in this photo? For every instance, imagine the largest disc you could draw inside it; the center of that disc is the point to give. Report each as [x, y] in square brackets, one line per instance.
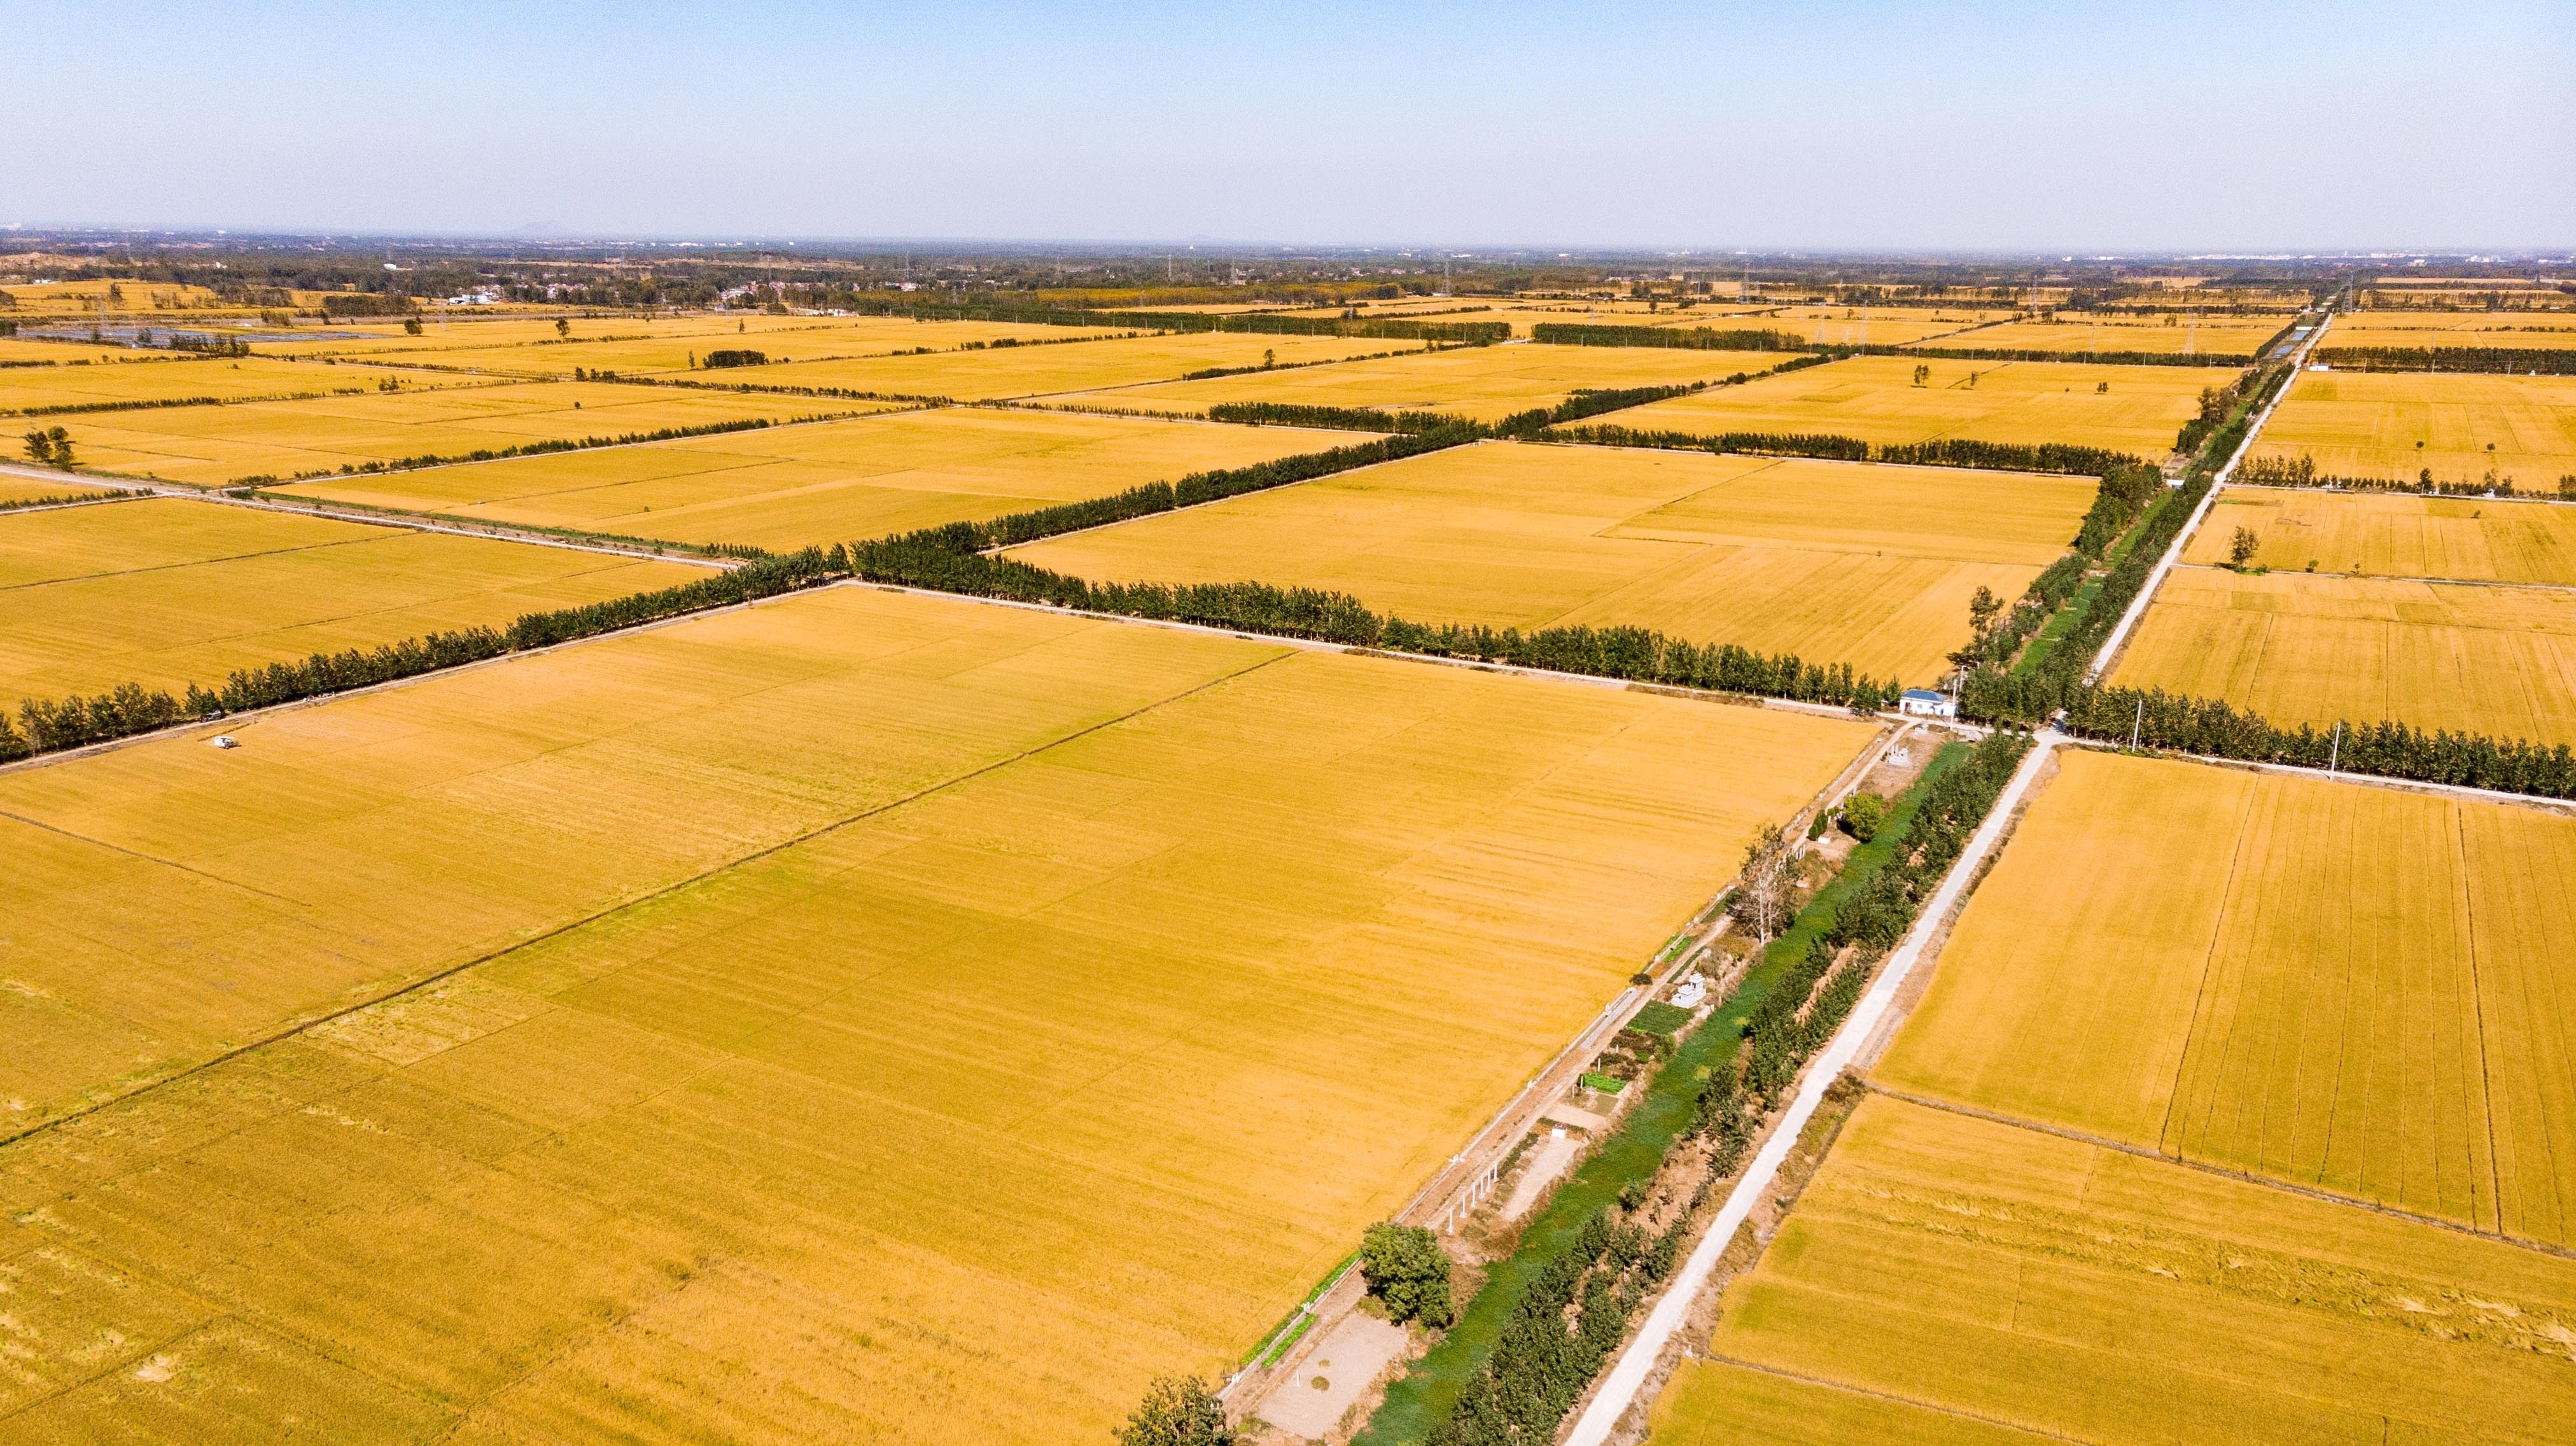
[1627, 1378]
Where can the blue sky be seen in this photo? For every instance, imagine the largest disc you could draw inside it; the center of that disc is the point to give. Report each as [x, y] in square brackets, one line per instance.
[1861, 125]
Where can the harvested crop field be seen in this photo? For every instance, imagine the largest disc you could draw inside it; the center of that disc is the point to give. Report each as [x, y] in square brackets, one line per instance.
[1486, 383]
[2170, 334]
[2353, 989]
[1838, 562]
[784, 488]
[1008, 372]
[1874, 399]
[678, 352]
[259, 441]
[887, 1017]
[1959, 1281]
[169, 591]
[2398, 425]
[2467, 539]
[220, 379]
[2298, 649]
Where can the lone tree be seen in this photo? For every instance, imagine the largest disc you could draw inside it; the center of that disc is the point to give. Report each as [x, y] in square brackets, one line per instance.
[1922, 373]
[2241, 551]
[1863, 813]
[1178, 1411]
[1761, 901]
[411, 326]
[50, 445]
[1982, 609]
[563, 327]
[1405, 1267]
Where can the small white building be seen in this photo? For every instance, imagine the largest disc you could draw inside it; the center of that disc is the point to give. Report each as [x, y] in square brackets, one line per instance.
[1924, 703]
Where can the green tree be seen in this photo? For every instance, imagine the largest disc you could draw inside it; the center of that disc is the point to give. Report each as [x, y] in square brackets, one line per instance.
[40, 445]
[1922, 374]
[1178, 1411]
[1862, 815]
[1405, 1267]
[411, 326]
[563, 327]
[1982, 609]
[2242, 548]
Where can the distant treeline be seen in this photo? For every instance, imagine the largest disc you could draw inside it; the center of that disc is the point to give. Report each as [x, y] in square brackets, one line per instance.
[2549, 361]
[130, 708]
[2056, 457]
[1692, 338]
[533, 449]
[1401, 328]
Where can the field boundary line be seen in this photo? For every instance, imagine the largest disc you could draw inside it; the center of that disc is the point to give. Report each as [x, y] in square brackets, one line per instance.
[2478, 1002]
[1851, 1390]
[2366, 780]
[1005, 548]
[2137, 609]
[2200, 991]
[1620, 1389]
[289, 1031]
[2268, 1182]
[221, 720]
[139, 489]
[1368, 650]
[2385, 577]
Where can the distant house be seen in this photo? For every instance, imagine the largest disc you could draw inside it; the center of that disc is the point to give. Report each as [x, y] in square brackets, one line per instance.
[1924, 703]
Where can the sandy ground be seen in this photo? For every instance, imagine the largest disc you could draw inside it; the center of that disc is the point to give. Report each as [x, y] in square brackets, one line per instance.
[1311, 1402]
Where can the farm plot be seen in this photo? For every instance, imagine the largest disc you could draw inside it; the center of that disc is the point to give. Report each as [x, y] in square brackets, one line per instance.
[1842, 325]
[1838, 562]
[29, 486]
[1875, 399]
[896, 1017]
[2462, 428]
[382, 340]
[2516, 329]
[1009, 372]
[2299, 649]
[274, 441]
[41, 351]
[170, 591]
[783, 488]
[1486, 383]
[2466, 539]
[2352, 989]
[2172, 333]
[655, 354]
[1964, 1282]
[218, 379]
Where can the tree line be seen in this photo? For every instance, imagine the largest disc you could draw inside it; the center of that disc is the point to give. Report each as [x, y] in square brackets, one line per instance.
[2549, 361]
[2386, 749]
[130, 708]
[1473, 333]
[1691, 338]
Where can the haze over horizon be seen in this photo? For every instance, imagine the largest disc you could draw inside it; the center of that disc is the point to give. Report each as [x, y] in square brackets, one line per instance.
[1852, 126]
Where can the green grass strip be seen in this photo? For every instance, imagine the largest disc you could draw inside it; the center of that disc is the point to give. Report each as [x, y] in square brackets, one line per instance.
[1305, 1323]
[1422, 1397]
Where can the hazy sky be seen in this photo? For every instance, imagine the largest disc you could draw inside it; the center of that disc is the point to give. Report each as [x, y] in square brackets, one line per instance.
[1861, 125]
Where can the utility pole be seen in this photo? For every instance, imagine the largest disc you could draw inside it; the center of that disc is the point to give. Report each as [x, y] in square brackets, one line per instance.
[2335, 757]
[2136, 724]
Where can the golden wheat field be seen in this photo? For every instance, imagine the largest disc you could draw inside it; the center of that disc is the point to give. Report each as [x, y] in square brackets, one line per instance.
[1959, 1281]
[383, 339]
[1844, 325]
[2468, 539]
[2353, 989]
[2515, 329]
[1874, 398]
[16, 351]
[171, 591]
[1838, 562]
[1486, 383]
[2298, 649]
[1032, 371]
[887, 1017]
[54, 300]
[651, 355]
[784, 488]
[30, 486]
[259, 441]
[2398, 425]
[2167, 334]
[212, 379]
